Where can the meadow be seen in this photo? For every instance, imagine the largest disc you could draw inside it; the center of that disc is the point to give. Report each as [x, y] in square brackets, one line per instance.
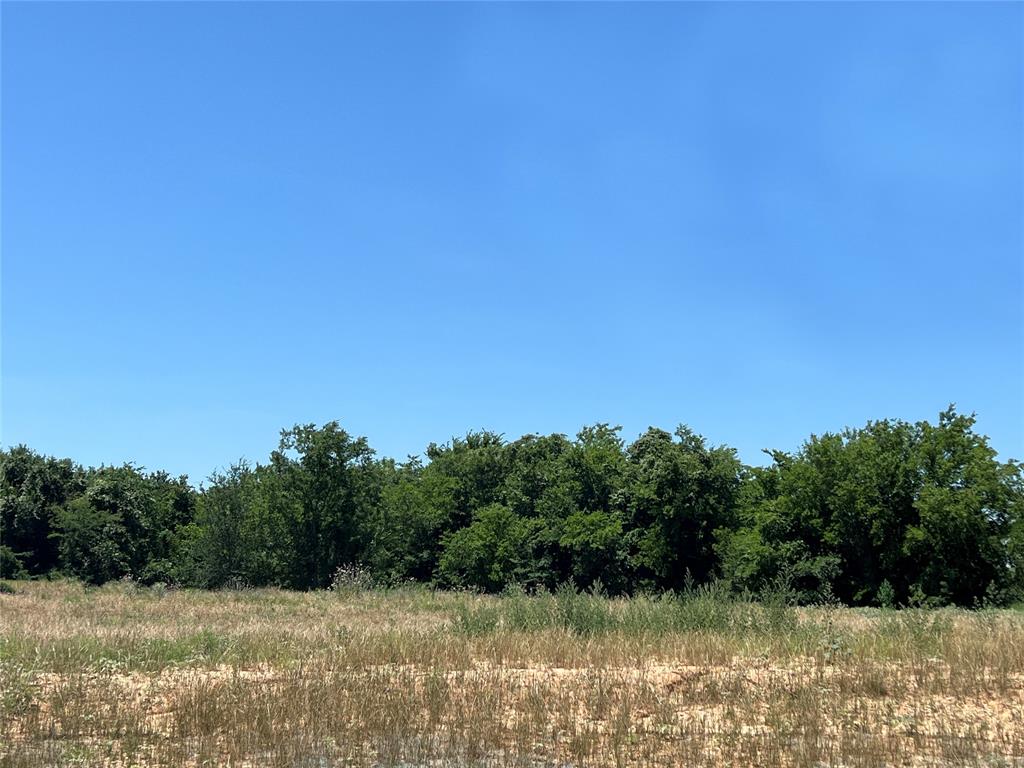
[123, 675]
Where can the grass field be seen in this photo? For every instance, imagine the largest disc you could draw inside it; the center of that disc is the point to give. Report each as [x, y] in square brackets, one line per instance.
[410, 677]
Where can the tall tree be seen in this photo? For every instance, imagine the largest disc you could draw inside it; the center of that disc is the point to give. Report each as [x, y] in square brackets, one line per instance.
[927, 509]
[327, 488]
[678, 494]
[33, 491]
[411, 521]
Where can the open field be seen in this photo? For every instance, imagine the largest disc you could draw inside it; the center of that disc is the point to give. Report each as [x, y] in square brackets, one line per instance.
[127, 676]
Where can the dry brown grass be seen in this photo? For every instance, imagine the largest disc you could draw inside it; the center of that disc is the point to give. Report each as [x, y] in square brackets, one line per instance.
[121, 676]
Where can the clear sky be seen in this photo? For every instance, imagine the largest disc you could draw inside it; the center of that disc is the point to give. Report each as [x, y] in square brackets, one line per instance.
[761, 220]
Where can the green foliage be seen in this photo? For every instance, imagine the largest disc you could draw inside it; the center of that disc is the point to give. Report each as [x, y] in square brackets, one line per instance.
[594, 544]
[325, 487]
[966, 506]
[407, 528]
[93, 542]
[231, 540]
[125, 524]
[678, 494]
[522, 612]
[497, 548]
[567, 609]
[11, 566]
[886, 597]
[473, 469]
[889, 514]
[33, 489]
[917, 507]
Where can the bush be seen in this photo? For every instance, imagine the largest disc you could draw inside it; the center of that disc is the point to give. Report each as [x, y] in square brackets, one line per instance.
[10, 565]
[886, 596]
[351, 578]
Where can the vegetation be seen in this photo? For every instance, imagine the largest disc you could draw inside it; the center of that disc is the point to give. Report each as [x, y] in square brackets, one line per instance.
[893, 513]
[129, 675]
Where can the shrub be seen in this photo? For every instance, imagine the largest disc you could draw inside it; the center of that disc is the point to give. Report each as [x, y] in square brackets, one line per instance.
[351, 578]
[10, 565]
[886, 596]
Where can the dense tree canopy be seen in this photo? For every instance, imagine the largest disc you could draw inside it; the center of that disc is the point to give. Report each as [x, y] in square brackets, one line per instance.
[892, 512]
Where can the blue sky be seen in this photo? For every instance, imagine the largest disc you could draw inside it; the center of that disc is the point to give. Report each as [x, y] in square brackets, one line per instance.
[761, 220]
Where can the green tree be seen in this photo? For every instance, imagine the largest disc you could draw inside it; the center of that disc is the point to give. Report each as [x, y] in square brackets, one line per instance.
[597, 551]
[540, 485]
[171, 508]
[93, 542]
[918, 508]
[679, 494]
[599, 466]
[220, 545]
[125, 524]
[474, 467]
[33, 491]
[968, 504]
[497, 549]
[326, 487]
[411, 521]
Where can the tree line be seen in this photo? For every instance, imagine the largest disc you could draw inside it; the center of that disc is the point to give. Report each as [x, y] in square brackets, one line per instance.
[890, 513]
